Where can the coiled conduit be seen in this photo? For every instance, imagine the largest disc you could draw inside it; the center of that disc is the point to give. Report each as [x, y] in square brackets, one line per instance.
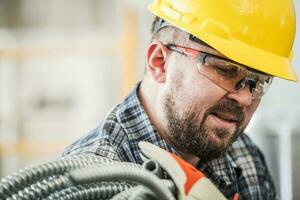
[86, 177]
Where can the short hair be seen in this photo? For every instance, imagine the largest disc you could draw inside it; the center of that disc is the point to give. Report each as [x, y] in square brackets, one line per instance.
[167, 33]
[154, 24]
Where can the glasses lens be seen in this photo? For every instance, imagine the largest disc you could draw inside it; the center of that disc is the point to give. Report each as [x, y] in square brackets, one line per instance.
[233, 77]
[261, 88]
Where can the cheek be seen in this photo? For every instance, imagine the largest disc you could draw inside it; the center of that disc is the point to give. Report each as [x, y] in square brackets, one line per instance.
[201, 91]
[191, 91]
[195, 98]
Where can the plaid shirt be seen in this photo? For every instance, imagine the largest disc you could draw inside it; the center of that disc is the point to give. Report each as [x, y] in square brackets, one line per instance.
[242, 169]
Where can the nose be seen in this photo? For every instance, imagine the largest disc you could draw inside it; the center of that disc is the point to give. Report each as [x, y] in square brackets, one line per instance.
[243, 97]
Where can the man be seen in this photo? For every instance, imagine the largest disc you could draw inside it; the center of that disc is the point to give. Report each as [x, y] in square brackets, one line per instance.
[208, 65]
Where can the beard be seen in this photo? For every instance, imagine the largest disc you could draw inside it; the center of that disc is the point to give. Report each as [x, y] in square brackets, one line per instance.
[191, 134]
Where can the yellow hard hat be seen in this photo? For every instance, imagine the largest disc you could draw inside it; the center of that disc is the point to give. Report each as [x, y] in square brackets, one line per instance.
[256, 33]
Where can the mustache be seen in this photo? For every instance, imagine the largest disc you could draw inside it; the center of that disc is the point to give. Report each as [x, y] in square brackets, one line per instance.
[228, 107]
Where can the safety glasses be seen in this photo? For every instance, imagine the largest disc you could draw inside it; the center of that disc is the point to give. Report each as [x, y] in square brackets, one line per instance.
[227, 74]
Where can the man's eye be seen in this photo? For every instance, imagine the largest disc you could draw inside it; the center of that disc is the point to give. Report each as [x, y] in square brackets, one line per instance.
[252, 86]
[226, 71]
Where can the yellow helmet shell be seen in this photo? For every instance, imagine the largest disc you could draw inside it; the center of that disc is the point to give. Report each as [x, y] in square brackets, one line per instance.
[256, 33]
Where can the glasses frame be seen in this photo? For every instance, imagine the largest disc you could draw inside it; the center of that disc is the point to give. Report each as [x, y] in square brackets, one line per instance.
[202, 55]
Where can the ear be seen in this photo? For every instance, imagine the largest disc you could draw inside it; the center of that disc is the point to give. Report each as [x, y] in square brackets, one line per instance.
[156, 61]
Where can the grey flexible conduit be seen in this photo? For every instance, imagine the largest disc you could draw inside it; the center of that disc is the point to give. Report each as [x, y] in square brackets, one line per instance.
[41, 189]
[142, 193]
[23, 178]
[85, 177]
[119, 173]
[104, 190]
[135, 193]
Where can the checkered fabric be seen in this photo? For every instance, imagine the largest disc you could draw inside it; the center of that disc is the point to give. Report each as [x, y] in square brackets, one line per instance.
[242, 169]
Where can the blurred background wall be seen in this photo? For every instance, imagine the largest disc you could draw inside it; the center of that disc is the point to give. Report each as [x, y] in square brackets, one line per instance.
[64, 63]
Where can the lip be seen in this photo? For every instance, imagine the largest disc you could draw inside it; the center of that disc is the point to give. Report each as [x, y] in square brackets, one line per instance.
[227, 117]
[227, 122]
